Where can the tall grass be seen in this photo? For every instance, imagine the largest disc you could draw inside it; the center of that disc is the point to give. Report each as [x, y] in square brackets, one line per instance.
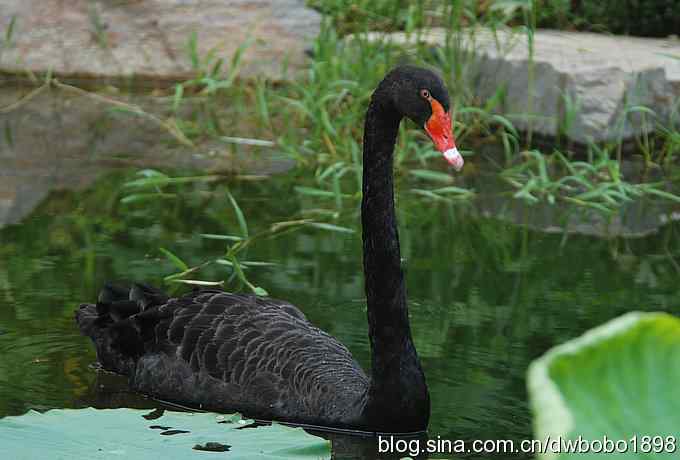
[597, 184]
[152, 186]
[7, 36]
[317, 119]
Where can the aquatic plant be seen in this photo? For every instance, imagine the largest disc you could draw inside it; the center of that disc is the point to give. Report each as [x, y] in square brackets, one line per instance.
[614, 385]
[93, 433]
[596, 184]
[154, 185]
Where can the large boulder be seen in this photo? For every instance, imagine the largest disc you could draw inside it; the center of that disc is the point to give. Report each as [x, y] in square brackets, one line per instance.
[148, 39]
[584, 84]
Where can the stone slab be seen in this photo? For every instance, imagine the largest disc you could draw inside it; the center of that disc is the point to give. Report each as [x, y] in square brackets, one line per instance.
[602, 76]
[148, 39]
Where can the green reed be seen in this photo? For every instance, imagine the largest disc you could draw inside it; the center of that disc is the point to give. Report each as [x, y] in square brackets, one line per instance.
[317, 118]
[152, 185]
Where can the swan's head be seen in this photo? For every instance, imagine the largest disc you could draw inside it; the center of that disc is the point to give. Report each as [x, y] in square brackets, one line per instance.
[420, 94]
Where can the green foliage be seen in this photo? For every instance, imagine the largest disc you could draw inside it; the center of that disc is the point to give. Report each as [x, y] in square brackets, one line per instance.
[597, 184]
[329, 103]
[618, 380]
[98, 27]
[153, 185]
[7, 39]
[647, 18]
[9, 33]
[214, 78]
[104, 434]
[387, 15]
[317, 119]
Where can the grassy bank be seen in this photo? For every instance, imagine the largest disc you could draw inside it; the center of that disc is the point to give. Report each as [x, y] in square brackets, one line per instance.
[317, 120]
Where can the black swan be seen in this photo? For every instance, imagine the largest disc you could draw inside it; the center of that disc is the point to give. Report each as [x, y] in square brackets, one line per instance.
[261, 356]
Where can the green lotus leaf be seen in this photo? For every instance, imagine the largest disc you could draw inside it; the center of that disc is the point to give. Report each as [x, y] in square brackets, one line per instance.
[91, 434]
[615, 390]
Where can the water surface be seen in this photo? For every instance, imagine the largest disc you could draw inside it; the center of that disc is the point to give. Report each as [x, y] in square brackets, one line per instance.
[486, 295]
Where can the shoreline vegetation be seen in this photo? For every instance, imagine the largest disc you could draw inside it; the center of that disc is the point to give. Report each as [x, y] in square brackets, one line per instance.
[315, 120]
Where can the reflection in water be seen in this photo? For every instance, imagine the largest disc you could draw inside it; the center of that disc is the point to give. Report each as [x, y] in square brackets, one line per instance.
[57, 140]
[486, 296]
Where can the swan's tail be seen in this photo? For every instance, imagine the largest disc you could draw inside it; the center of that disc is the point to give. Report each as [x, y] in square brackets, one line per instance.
[112, 326]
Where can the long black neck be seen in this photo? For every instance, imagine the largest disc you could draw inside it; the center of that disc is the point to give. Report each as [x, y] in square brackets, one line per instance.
[398, 399]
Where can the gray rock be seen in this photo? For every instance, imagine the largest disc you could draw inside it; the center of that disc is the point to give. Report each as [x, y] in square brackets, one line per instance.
[147, 39]
[602, 75]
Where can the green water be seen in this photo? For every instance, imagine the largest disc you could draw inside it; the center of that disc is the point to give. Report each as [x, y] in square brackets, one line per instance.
[486, 296]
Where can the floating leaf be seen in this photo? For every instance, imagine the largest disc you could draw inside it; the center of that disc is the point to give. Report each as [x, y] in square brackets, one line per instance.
[92, 434]
[619, 380]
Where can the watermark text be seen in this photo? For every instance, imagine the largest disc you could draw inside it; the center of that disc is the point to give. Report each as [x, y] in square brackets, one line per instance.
[580, 445]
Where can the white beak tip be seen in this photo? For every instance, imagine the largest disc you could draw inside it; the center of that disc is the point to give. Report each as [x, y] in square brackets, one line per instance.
[454, 158]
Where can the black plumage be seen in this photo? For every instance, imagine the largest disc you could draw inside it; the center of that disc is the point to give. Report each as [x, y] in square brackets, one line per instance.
[262, 356]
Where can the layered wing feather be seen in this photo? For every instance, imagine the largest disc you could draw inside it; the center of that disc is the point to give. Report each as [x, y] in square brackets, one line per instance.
[238, 352]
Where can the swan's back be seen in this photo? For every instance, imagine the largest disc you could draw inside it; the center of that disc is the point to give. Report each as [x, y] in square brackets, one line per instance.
[227, 352]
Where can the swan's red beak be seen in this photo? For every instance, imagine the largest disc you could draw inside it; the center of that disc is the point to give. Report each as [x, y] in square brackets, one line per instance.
[438, 127]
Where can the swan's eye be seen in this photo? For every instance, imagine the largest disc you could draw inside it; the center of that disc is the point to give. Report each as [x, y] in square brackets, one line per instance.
[425, 94]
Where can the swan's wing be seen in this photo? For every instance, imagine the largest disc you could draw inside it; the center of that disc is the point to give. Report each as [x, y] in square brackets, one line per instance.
[270, 359]
[220, 332]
